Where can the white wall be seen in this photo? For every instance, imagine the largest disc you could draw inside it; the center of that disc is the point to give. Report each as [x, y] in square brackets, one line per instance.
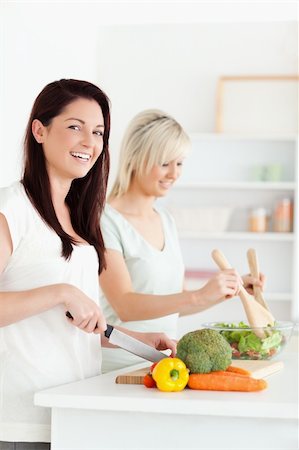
[40, 43]
[162, 54]
[175, 67]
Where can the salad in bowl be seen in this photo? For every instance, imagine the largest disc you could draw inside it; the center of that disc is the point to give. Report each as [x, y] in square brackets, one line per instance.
[246, 344]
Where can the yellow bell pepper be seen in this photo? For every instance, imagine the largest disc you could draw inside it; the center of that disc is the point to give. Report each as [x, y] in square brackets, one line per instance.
[171, 375]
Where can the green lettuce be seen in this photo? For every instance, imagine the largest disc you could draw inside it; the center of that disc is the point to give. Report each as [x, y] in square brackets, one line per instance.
[273, 340]
[246, 342]
[250, 342]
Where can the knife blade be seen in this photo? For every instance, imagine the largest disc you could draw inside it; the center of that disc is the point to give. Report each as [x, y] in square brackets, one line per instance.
[130, 344]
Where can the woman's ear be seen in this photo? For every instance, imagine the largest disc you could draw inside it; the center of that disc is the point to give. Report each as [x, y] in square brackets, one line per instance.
[38, 131]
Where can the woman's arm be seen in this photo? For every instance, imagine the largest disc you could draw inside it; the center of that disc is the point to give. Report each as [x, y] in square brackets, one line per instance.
[19, 305]
[129, 305]
[16, 306]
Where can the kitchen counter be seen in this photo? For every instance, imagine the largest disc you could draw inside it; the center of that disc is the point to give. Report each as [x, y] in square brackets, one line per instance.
[99, 414]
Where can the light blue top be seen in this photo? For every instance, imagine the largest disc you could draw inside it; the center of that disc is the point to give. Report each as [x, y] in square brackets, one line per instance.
[152, 272]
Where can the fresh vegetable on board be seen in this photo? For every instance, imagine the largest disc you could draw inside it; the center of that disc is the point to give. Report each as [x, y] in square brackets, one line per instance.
[231, 379]
[204, 351]
[148, 380]
[170, 375]
[238, 370]
[246, 345]
[207, 356]
[225, 381]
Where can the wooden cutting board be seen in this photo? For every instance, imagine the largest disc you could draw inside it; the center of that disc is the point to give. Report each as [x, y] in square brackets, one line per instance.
[258, 369]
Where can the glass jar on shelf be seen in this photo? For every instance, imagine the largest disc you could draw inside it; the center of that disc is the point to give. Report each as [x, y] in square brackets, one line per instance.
[283, 216]
[259, 220]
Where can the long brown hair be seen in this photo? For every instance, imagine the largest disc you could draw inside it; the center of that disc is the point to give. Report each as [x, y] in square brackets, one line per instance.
[86, 196]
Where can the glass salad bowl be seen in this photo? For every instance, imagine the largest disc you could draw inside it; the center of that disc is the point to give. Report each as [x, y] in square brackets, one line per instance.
[246, 344]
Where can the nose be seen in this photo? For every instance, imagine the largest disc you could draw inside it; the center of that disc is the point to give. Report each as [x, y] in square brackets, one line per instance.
[88, 139]
[173, 171]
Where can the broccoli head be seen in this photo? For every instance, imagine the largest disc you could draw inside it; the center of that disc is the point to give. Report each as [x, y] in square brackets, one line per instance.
[204, 351]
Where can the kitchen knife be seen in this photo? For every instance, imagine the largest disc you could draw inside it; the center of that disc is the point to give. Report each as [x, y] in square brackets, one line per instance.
[130, 344]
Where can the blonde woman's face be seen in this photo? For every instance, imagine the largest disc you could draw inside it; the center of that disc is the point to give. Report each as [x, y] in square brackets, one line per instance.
[161, 178]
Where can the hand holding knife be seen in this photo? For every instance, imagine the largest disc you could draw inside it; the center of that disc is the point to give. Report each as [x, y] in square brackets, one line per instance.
[130, 344]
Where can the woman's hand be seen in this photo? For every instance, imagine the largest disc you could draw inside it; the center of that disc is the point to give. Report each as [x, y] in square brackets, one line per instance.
[225, 284]
[85, 313]
[157, 340]
[250, 281]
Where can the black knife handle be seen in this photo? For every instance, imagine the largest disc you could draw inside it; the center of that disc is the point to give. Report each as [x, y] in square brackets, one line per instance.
[108, 331]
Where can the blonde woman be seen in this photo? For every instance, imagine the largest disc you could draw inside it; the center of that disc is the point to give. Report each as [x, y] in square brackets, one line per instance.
[143, 281]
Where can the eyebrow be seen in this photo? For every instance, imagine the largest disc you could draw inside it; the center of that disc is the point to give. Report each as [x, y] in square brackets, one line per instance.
[82, 121]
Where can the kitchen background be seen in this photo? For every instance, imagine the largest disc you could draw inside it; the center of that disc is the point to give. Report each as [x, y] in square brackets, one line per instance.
[172, 55]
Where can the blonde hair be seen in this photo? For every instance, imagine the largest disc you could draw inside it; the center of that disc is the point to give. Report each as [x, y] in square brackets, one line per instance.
[151, 138]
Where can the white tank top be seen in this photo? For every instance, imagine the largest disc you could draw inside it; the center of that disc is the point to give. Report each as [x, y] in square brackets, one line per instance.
[43, 350]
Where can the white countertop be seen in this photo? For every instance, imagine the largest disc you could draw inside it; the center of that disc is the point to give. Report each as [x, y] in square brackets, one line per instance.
[279, 400]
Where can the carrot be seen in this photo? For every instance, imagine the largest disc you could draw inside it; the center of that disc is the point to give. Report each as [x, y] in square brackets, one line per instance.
[227, 373]
[238, 370]
[225, 381]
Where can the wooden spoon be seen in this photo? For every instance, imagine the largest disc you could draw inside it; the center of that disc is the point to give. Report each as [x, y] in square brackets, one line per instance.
[256, 314]
[255, 272]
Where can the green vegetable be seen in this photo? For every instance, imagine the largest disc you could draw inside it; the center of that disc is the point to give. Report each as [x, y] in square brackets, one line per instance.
[249, 342]
[204, 351]
[272, 341]
[246, 345]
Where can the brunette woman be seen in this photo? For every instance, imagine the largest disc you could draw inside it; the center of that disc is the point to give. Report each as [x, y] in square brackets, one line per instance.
[51, 254]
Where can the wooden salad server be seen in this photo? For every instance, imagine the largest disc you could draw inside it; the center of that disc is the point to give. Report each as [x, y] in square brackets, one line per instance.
[255, 272]
[256, 314]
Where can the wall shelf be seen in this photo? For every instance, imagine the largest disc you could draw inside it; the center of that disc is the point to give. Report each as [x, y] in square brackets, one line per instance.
[279, 296]
[279, 237]
[214, 137]
[247, 185]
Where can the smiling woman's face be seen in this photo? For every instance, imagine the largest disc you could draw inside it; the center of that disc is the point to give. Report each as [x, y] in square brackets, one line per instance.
[73, 141]
[160, 178]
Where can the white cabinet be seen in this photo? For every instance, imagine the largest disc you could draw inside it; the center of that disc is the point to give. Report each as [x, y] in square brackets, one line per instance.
[239, 173]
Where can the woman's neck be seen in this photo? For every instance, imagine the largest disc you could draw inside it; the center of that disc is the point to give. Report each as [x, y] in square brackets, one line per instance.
[59, 190]
[134, 204]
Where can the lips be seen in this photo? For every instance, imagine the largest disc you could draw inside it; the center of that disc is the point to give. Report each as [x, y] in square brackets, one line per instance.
[165, 184]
